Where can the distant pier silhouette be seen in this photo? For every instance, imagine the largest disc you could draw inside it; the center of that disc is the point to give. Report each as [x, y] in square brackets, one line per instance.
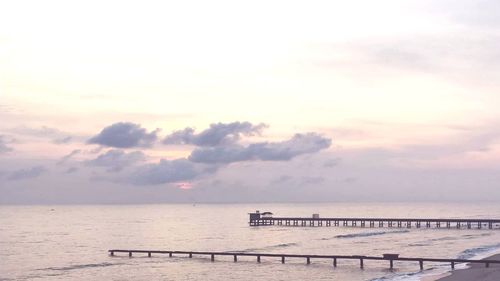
[267, 219]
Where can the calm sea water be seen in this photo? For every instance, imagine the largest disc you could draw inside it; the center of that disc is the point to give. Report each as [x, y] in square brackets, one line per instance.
[71, 242]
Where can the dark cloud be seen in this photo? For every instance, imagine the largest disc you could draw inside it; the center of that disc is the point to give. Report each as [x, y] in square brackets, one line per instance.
[68, 156]
[3, 145]
[115, 160]
[124, 135]
[266, 151]
[166, 171]
[217, 134]
[221, 154]
[27, 173]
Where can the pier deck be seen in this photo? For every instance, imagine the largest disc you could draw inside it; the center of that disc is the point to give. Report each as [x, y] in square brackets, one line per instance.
[391, 258]
[378, 222]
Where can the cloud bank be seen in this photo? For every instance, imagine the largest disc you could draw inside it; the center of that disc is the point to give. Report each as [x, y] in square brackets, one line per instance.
[115, 160]
[217, 134]
[266, 151]
[166, 171]
[27, 173]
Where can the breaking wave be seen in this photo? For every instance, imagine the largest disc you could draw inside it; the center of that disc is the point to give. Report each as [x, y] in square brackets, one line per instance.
[473, 253]
[479, 252]
[80, 266]
[277, 246]
[367, 234]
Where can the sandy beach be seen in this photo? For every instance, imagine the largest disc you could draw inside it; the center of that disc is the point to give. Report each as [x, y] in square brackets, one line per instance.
[477, 272]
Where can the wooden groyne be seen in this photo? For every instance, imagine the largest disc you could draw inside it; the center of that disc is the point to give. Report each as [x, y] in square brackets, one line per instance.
[256, 219]
[391, 258]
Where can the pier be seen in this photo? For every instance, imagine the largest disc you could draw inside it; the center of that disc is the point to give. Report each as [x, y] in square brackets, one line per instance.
[390, 258]
[266, 219]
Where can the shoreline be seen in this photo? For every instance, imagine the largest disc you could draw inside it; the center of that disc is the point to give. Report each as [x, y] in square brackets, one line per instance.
[473, 272]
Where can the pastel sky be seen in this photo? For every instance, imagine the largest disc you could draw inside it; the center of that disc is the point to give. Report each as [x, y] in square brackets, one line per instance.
[249, 101]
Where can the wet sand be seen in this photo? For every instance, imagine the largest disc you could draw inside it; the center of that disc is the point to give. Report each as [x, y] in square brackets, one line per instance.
[476, 272]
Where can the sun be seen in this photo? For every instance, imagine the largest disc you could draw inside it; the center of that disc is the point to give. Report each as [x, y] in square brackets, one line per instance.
[184, 185]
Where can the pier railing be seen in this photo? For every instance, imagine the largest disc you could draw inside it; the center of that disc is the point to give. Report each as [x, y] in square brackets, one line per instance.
[391, 258]
[379, 222]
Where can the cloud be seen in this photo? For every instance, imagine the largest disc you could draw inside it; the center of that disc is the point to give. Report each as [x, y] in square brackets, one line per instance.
[57, 136]
[63, 140]
[27, 173]
[166, 171]
[266, 151]
[281, 179]
[116, 159]
[3, 145]
[479, 13]
[124, 135]
[71, 170]
[330, 163]
[217, 134]
[68, 156]
[311, 180]
[465, 55]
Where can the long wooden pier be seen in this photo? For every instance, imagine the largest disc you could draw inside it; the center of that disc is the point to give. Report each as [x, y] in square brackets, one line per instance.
[391, 258]
[376, 222]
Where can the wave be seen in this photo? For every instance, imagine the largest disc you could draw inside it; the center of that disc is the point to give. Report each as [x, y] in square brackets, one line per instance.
[482, 251]
[430, 241]
[418, 244]
[473, 253]
[367, 234]
[401, 277]
[472, 236]
[80, 266]
[277, 246]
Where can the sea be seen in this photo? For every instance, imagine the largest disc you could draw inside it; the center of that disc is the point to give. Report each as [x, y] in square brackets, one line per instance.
[71, 242]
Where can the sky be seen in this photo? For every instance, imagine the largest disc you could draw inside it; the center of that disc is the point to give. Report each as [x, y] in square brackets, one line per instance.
[249, 101]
